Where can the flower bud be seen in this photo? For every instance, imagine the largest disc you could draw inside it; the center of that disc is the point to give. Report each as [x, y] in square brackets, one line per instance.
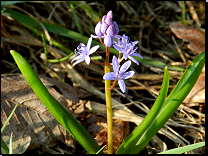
[110, 14]
[103, 19]
[104, 27]
[108, 40]
[115, 28]
[110, 30]
[98, 29]
[108, 21]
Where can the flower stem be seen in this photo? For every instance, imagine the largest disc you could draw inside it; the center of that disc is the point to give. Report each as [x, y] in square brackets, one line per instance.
[97, 62]
[109, 105]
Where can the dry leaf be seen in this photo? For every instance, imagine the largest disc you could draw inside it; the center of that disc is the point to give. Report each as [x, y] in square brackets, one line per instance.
[31, 117]
[20, 142]
[197, 94]
[97, 126]
[190, 34]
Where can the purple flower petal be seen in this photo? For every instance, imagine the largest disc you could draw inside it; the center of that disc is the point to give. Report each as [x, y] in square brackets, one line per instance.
[135, 61]
[125, 56]
[110, 14]
[110, 76]
[98, 29]
[93, 36]
[108, 41]
[89, 43]
[104, 27]
[125, 66]
[82, 59]
[108, 20]
[93, 49]
[116, 28]
[118, 48]
[127, 75]
[122, 85]
[134, 43]
[77, 58]
[110, 30]
[138, 55]
[103, 19]
[87, 59]
[115, 64]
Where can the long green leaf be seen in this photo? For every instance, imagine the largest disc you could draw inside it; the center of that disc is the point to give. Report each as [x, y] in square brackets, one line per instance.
[181, 150]
[76, 36]
[10, 145]
[4, 147]
[56, 109]
[173, 101]
[4, 3]
[76, 20]
[132, 139]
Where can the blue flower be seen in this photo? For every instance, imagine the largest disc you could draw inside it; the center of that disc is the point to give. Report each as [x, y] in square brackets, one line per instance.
[83, 52]
[127, 48]
[119, 74]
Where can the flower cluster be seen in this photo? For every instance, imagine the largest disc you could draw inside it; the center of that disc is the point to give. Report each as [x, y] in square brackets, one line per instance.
[108, 30]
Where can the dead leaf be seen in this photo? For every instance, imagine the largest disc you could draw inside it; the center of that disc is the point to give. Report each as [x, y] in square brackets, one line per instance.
[97, 126]
[20, 142]
[197, 94]
[31, 117]
[190, 34]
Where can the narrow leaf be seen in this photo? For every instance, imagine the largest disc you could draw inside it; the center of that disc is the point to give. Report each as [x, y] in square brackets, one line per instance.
[10, 145]
[173, 101]
[9, 118]
[56, 109]
[181, 150]
[132, 139]
[4, 147]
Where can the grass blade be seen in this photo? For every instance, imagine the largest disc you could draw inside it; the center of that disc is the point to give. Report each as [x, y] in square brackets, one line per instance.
[75, 18]
[9, 118]
[181, 150]
[10, 145]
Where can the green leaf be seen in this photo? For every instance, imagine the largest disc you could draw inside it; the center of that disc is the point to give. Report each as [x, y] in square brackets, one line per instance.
[173, 101]
[4, 3]
[181, 150]
[131, 140]
[9, 117]
[75, 18]
[10, 145]
[83, 39]
[56, 109]
[95, 16]
[4, 147]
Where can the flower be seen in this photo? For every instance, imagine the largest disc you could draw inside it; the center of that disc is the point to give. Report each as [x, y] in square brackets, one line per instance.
[83, 52]
[119, 74]
[126, 48]
[107, 29]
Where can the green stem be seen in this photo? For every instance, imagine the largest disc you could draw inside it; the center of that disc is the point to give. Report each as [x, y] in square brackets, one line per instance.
[109, 105]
